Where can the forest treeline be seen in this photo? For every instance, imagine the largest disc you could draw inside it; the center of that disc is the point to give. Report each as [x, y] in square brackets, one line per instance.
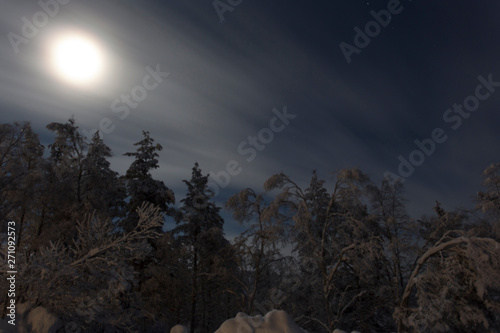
[91, 249]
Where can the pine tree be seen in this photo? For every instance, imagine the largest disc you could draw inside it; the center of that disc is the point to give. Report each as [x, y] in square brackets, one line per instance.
[21, 161]
[63, 202]
[141, 187]
[66, 155]
[199, 229]
[103, 191]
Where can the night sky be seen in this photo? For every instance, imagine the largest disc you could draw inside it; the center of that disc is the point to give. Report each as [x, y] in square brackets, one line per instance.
[260, 87]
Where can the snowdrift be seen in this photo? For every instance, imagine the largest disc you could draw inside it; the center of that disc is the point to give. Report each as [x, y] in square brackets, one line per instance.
[179, 329]
[276, 321]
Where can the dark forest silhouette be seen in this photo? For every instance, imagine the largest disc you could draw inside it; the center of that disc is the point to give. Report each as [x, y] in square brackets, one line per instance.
[91, 249]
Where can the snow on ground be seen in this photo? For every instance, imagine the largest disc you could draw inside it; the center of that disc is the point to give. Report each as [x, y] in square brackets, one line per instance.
[179, 329]
[276, 321]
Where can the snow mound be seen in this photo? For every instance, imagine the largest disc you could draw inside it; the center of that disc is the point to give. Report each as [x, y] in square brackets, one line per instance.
[40, 320]
[30, 319]
[179, 329]
[276, 321]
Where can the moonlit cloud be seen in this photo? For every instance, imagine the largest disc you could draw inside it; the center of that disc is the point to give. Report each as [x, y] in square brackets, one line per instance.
[225, 79]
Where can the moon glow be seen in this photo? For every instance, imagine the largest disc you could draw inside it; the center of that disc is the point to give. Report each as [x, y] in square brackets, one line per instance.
[77, 58]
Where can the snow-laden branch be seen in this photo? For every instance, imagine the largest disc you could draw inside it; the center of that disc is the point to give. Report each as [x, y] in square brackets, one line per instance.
[150, 218]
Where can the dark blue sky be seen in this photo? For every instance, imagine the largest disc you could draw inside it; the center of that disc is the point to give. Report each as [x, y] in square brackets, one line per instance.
[225, 79]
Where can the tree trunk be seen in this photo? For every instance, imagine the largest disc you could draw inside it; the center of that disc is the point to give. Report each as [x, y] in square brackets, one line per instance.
[194, 288]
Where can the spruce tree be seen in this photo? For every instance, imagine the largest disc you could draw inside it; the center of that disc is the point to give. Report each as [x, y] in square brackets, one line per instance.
[199, 229]
[140, 184]
[21, 161]
[103, 190]
[64, 180]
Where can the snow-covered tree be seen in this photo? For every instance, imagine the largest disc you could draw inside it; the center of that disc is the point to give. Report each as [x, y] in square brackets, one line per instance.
[400, 242]
[93, 282]
[337, 239]
[488, 201]
[21, 161]
[67, 153]
[257, 248]
[199, 229]
[454, 283]
[432, 228]
[454, 287]
[63, 179]
[102, 189]
[166, 287]
[140, 184]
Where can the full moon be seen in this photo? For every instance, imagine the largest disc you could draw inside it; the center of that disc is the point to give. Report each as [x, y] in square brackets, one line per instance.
[77, 58]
